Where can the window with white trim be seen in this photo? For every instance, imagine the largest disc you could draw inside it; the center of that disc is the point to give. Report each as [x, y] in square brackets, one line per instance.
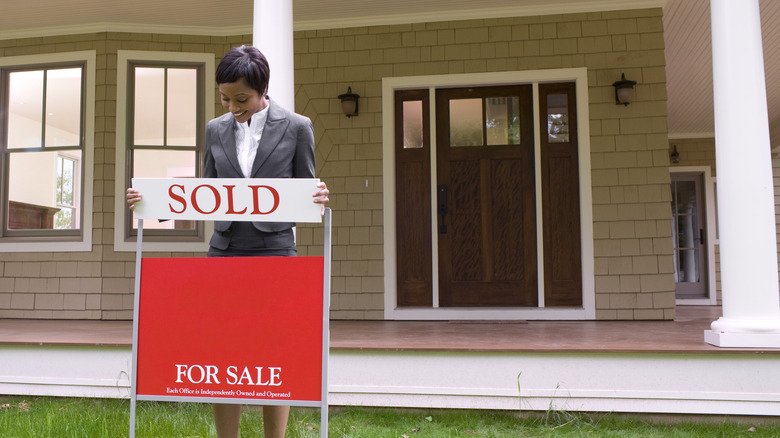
[162, 108]
[165, 138]
[46, 132]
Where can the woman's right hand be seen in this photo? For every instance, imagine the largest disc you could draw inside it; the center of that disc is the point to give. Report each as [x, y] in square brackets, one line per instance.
[132, 197]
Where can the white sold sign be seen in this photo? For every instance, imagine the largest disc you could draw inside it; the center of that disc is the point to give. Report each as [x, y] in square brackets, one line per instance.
[228, 199]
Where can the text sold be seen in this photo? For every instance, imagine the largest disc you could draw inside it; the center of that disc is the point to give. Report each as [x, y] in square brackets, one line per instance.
[209, 199]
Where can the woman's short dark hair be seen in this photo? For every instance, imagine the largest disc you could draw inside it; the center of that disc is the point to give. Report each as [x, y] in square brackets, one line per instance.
[245, 62]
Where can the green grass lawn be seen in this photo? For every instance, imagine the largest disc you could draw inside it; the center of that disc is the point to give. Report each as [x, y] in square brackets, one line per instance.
[22, 417]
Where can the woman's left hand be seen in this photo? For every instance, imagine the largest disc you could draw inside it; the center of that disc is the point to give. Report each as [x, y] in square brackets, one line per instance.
[321, 196]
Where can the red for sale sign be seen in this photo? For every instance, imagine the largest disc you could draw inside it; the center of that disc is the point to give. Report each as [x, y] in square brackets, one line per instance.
[246, 328]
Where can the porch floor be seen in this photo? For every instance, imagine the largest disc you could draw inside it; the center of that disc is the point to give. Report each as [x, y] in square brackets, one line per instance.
[683, 335]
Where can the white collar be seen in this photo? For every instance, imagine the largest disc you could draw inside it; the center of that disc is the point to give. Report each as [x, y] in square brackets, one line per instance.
[258, 120]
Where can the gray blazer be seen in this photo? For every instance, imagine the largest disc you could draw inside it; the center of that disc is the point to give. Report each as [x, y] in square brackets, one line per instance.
[286, 150]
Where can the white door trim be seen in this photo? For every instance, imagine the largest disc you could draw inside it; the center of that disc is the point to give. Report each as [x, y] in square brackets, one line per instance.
[389, 86]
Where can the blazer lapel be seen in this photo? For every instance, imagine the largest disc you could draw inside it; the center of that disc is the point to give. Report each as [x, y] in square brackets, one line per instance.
[274, 129]
[227, 137]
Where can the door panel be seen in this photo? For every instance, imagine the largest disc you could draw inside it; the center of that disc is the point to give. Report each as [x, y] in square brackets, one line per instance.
[485, 159]
[465, 217]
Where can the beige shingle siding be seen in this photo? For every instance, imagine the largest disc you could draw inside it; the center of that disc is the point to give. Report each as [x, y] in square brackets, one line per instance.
[629, 152]
[630, 163]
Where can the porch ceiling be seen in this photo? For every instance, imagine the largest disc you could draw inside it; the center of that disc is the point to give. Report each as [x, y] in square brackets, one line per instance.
[687, 37]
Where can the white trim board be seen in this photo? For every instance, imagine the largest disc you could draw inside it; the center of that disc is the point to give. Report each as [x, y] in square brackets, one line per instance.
[696, 383]
[436, 14]
[602, 382]
[454, 14]
[72, 371]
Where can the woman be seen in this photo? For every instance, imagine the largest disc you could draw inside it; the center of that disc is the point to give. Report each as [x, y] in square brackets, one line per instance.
[257, 138]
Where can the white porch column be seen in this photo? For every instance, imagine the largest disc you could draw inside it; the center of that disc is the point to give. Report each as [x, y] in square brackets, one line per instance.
[272, 33]
[746, 215]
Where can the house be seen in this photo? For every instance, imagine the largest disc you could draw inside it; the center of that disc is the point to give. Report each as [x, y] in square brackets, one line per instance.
[568, 215]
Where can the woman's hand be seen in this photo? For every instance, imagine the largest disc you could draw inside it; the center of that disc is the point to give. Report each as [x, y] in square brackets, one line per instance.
[132, 197]
[320, 196]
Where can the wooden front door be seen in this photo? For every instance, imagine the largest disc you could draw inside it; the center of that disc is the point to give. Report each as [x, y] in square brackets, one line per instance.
[484, 214]
[486, 206]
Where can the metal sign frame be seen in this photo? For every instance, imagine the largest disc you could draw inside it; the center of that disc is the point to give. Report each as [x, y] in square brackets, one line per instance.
[322, 404]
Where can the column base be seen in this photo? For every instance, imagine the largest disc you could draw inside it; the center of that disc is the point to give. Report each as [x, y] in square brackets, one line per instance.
[743, 340]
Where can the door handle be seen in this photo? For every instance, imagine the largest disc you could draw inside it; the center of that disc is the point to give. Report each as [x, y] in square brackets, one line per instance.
[441, 199]
[701, 236]
[441, 204]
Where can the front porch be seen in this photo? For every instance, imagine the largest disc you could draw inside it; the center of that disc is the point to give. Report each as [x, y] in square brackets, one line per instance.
[606, 366]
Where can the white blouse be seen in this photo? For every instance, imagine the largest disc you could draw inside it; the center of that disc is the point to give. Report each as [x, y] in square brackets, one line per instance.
[247, 138]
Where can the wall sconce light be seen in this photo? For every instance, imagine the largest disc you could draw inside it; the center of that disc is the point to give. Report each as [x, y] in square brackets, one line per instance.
[349, 102]
[624, 91]
[675, 156]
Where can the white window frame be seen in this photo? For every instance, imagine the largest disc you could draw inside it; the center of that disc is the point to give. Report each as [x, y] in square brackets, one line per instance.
[534, 77]
[124, 57]
[52, 244]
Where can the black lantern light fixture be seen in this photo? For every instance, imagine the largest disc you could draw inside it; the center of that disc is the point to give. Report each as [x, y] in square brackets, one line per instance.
[624, 90]
[675, 156]
[349, 102]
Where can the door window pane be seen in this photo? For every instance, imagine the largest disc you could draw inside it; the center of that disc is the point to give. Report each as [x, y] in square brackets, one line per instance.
[688, 263]
[492, 121]
[687, 232]
[687, 237]
[557, 118]
[25, 109]
[466, 122]
[502, 120]
[413, 124]
[685, 195]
